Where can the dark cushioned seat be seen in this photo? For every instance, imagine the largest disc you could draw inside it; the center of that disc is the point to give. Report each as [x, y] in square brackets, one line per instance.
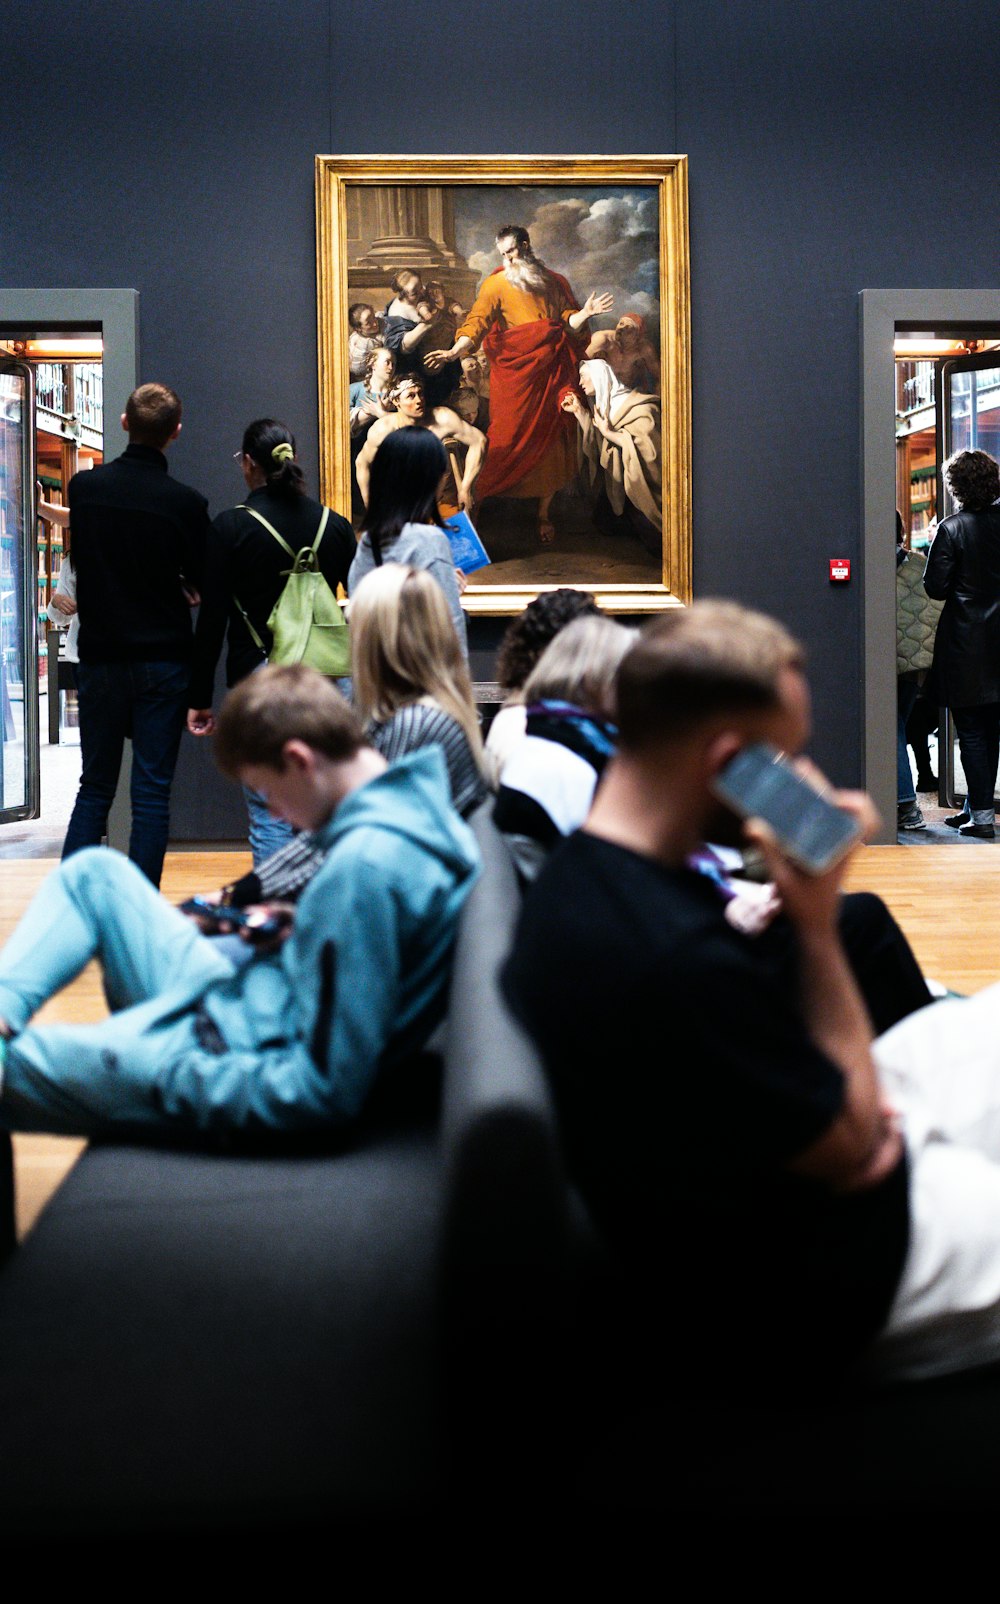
[416, 1323]
[214, 1341]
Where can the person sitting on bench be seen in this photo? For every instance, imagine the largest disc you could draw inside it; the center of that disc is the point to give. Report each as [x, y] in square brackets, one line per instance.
[293, 1040]
[794, 1196]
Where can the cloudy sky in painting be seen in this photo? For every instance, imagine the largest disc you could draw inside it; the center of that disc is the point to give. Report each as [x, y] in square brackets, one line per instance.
[599, 237]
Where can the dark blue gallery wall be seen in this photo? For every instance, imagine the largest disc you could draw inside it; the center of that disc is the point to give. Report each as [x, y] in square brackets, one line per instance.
[169, 148]
[833, 148]
[175, 159]
[177, 142]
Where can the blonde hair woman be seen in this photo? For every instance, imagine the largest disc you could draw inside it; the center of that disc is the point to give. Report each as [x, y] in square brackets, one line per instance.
[548, 781]
[411, 681]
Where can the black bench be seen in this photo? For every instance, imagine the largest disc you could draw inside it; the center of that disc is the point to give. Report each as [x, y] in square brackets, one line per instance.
[195, 1341]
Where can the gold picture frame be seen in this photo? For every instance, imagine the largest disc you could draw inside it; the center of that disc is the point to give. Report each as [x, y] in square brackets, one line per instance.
[379, 215]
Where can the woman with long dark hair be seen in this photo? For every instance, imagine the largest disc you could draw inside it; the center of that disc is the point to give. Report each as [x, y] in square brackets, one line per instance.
[402, 523]
[245, 574]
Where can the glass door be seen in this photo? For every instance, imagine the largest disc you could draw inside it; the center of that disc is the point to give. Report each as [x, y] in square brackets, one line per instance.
[19, 770]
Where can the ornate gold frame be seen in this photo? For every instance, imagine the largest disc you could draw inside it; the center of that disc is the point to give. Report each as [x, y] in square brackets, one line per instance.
[669, 174]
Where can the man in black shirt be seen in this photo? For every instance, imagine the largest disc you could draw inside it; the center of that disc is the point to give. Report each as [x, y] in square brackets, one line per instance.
[726, 1115]
[138, 549]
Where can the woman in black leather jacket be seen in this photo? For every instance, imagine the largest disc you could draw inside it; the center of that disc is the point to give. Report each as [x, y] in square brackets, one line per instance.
[963, 571]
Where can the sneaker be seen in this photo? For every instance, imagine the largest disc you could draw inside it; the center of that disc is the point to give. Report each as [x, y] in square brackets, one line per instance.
[981, 832]
[909, 817]
[957, 820]
[940, 992]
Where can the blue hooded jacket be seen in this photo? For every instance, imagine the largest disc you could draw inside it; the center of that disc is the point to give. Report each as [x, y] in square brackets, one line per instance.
[361, 981]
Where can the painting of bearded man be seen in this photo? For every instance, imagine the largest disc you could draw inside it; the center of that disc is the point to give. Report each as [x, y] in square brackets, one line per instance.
[534, 332]
[500, 279]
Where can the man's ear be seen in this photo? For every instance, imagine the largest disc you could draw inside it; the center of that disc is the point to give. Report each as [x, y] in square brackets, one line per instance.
[124, 423]
[720, 750]
[176, 432]
[298, 755]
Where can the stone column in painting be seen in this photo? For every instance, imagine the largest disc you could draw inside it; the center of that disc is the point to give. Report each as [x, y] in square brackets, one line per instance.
[393, 226]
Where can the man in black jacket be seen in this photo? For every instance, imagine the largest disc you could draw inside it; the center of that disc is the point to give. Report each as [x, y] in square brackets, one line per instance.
[138, 549]
[963, 571]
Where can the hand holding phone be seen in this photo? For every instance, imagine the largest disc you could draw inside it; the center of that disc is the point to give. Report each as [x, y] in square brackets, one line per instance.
[258, 925]
[810, 829]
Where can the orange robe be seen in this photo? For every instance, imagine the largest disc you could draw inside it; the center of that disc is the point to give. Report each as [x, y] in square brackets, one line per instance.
[533, 355]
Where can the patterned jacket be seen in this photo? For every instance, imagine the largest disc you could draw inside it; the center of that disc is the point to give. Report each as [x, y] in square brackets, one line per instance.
[916, 616]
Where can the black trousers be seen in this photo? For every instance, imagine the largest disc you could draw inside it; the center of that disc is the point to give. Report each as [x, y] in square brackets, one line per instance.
[881, 959]
[979, 743]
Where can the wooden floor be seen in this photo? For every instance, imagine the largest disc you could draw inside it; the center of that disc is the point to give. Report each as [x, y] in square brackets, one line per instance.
[42, 1161]
[946, 899]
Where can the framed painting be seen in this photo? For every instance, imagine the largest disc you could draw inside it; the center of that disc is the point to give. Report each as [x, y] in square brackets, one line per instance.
[533, 312]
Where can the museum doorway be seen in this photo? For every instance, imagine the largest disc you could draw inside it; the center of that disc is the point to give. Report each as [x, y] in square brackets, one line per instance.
[926, 357]
[51, 427]
[947, 400]
[56, 350]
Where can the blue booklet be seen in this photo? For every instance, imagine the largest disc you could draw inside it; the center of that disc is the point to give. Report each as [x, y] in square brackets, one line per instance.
[467, 550]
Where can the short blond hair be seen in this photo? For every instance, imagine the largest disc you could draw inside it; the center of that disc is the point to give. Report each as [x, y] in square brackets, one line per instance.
[284, 703]
[404, 649]
[699, 663]
[579, 664]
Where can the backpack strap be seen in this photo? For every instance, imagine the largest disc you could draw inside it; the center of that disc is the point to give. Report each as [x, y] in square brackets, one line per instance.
[270, 527]
[242, 507]
[321, 530]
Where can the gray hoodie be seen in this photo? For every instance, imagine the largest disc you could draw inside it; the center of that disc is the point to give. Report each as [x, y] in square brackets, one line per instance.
[419, 546]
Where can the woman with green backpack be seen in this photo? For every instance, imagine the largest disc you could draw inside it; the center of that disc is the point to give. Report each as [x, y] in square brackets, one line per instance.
[273, 567]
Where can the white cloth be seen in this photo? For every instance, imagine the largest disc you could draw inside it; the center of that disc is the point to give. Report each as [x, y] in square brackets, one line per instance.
[631, 465]
[506, 730]
[66, 586]
[560, 781]
[608, 388]
[940, 1068]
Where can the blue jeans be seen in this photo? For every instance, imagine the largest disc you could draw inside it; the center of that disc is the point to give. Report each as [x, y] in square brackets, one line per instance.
[907, 691]
[79, 1079]
[267, 834]
[148, 702]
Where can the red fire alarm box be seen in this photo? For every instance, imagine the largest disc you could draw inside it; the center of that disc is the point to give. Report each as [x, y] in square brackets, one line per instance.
[840, 569]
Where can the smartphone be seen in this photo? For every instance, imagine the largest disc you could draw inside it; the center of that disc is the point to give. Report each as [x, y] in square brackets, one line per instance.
[760, 783]
[214, 912]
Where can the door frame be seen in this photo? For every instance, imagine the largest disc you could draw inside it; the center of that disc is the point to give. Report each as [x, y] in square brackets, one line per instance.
[28, 604]
[117, 312]
[881, 313]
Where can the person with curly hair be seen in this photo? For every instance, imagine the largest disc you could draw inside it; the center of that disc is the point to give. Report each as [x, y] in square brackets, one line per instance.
[963, 571]
[523, 643]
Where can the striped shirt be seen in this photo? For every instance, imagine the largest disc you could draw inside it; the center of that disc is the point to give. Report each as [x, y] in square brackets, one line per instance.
[284, 876]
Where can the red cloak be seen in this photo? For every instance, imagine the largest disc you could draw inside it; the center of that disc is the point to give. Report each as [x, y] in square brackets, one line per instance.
[529, 366]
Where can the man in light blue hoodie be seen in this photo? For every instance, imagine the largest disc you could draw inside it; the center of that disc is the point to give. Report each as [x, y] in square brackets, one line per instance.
[291, 1041]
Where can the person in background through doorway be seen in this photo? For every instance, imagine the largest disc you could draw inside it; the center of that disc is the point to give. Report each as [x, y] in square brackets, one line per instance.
[916, 625]
[963, 571]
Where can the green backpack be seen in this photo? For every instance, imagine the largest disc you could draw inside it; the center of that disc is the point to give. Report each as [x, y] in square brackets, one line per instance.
[306, 623]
